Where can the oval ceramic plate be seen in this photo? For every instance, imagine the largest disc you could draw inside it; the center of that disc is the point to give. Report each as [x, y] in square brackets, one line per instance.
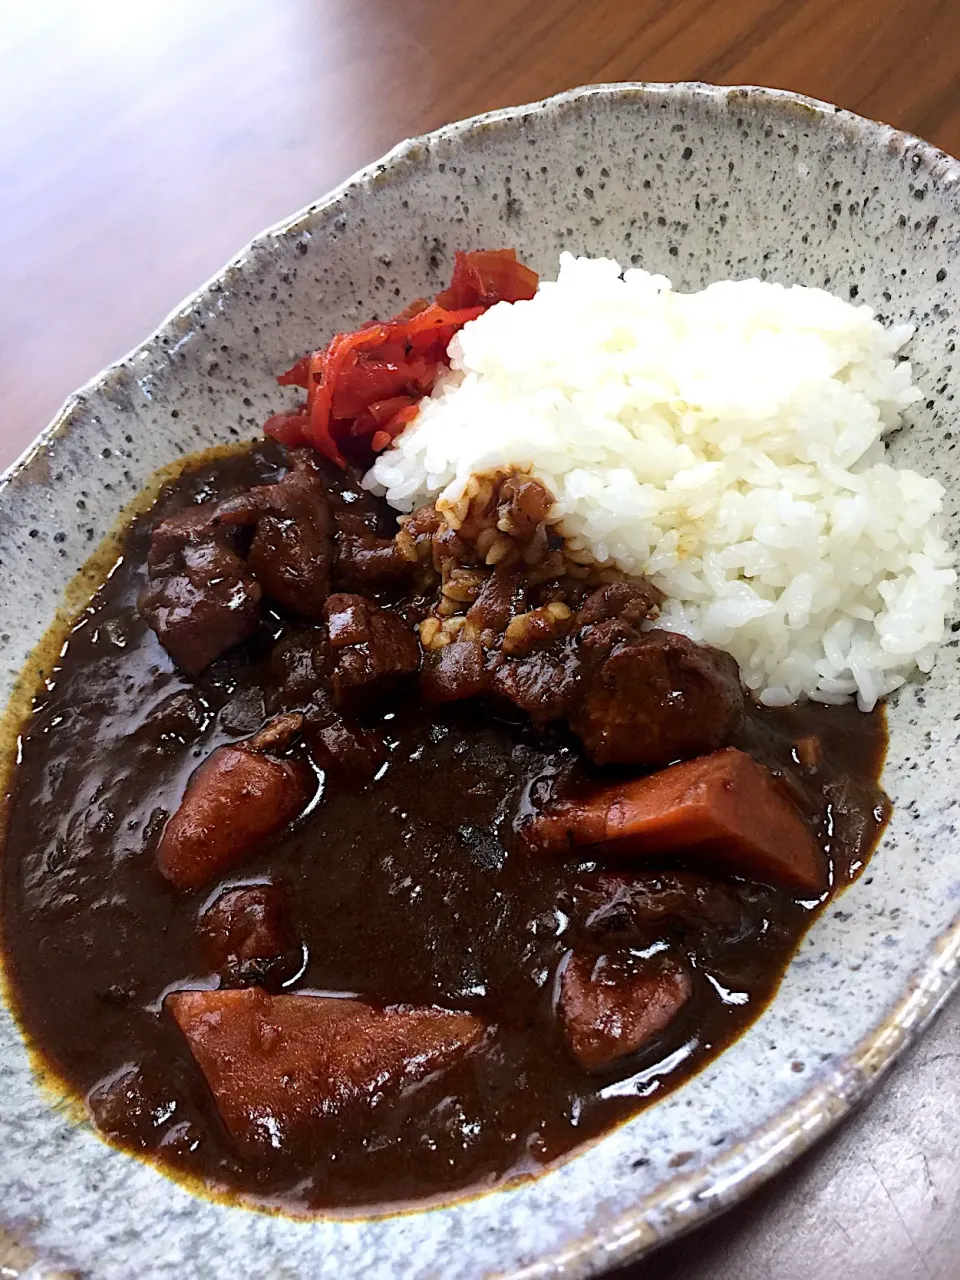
[696, 182]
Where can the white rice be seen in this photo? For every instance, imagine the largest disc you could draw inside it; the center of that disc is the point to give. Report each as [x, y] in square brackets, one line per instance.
[726, 443]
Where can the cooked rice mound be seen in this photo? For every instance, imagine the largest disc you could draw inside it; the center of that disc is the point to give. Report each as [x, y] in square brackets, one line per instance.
[728, 444]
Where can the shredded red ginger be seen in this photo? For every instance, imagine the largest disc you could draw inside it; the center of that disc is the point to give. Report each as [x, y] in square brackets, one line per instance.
[365, 387]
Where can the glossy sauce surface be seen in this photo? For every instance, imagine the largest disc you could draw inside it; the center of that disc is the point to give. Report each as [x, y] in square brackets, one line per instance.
[410, 888]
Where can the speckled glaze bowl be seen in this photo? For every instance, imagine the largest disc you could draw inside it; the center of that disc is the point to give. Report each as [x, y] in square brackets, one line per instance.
[699, 183]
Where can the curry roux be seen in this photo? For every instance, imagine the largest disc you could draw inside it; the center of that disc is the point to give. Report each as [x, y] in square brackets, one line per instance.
[407, 888]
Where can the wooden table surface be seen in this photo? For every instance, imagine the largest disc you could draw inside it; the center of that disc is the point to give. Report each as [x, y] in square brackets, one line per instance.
[141, 144]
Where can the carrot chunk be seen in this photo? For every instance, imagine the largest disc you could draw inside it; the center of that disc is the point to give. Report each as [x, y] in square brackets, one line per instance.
[724, 811]
[237, 799]
[281, 1066]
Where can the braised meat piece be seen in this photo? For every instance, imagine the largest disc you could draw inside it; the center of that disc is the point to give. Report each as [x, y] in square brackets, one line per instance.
[464, 667]
[523, 506]
[545, 685]
[615, 1005]
[370, 646]
[632, 696]
[648, 697]
[187, 528]
[246, 937]
[653, 698]
[725, 811]
[365, 560]
[343, 748]
[291, 554]
[130, 1106]
[368, 562]
[664, 900]
[454, 672]
[202, 598]
[238, 798]
[501, 597]
[179, 718]
[297, 663]
[300, 664]
[632, 600]
[280, 1066]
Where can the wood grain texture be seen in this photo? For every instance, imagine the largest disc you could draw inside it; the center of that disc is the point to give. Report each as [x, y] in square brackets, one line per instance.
[142, 144]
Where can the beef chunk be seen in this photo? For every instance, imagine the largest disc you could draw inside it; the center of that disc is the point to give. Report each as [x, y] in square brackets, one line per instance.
[344, 748]
[245, 710]
[238, 798]
[496, 626]
[202, 598]
[655, 698]
[188, 528]
[370, 645]
[464, 668]
[522, 506]
[280, 1066]
[616, 1005]
[664, 900]
[291, 554]
[456, 671]
[545, 685]
[633, 697]
[500, 598]
[131, 1106]
[179, 719]
[366, 561]
[724, 811]
[246, 937]
[633, 600]
[297, 663]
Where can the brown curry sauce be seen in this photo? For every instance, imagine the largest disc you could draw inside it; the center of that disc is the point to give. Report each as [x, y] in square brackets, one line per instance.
[408, 888]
